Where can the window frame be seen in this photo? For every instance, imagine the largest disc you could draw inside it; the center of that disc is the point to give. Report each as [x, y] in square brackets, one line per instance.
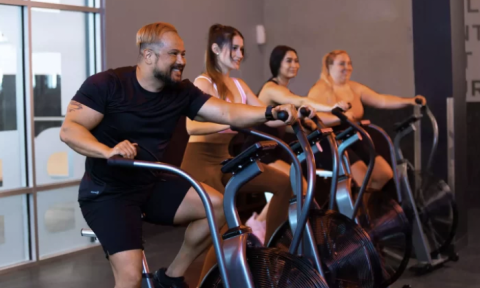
[32, 189]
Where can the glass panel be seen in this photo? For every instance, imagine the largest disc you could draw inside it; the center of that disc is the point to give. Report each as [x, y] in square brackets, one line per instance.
[98, 42]
[60, 221]
[88, 3]
[62, 54]
[12, 128]
[13, 230]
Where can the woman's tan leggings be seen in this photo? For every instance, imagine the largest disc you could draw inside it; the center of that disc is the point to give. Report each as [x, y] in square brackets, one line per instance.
[203, 162]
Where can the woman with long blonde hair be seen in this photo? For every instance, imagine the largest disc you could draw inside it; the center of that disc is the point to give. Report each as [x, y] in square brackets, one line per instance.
[335, 85]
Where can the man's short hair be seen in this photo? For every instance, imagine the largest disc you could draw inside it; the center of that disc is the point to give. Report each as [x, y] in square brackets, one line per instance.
[151, 34]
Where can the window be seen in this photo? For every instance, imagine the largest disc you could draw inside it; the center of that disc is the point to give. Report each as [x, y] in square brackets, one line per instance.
[14, 243]
[89, 3]
[60, 221]
[60, 63]
[47, 50]
[12, 126]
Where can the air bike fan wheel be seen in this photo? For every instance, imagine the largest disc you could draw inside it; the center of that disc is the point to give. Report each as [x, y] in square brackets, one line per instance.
[272, 267]
[348, 256]
[438, 213]
[391, 234]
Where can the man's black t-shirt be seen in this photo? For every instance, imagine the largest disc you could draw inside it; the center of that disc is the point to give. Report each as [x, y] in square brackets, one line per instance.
[137, 115]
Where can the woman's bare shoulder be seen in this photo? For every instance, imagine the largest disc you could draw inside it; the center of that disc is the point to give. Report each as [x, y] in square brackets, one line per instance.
[319, 89]
[356, 86]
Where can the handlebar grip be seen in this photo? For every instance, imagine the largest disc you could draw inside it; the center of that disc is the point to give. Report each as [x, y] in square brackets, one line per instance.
[120, 161]
[339, 113]
[282, 115]
[418, 101]
[349, 107]
[305, 111]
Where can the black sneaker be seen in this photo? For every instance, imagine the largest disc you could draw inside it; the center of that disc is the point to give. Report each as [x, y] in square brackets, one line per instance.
[163, 281]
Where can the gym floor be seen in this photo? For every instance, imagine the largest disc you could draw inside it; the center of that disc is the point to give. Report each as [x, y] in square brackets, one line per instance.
[91, 269]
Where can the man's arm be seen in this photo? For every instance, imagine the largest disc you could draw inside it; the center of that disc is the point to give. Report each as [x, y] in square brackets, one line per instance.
[75, 132]
[240, 115]
[253, 100]
[204, 128]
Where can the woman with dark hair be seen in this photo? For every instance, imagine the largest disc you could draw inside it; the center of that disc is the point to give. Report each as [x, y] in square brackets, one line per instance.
[284, 65]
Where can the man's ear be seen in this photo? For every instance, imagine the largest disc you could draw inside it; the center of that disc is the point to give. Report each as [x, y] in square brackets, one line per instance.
[148, 56]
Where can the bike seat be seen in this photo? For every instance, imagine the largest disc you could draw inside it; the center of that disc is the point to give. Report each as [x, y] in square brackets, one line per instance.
[247, 157]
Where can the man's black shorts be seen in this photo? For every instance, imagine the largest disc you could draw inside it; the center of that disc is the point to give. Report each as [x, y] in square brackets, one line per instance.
[117, 222]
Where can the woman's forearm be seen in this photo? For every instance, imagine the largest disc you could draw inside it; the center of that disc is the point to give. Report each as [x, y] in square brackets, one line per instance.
[395, 102]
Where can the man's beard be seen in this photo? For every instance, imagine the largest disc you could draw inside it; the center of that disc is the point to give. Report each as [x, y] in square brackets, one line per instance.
[167, 77]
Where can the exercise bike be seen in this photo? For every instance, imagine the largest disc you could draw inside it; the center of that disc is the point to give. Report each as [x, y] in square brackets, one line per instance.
[341, 196]
[430, 209]
[388, 225]
[347, 256]
[242, 261]
[431, 206]
[147, 277]
[247, 261]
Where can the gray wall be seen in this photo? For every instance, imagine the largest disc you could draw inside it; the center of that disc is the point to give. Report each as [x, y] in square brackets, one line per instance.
[192, 19]
[376, 33]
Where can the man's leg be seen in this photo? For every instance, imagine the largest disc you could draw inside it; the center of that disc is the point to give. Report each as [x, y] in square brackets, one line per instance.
[118, 226]
[127, 268]
[175, 202]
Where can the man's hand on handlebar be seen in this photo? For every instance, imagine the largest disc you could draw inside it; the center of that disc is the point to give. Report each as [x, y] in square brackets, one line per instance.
[125, 149]
[291, 111]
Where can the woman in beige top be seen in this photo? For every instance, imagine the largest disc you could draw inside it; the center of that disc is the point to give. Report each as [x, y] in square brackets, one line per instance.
[335, 85]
